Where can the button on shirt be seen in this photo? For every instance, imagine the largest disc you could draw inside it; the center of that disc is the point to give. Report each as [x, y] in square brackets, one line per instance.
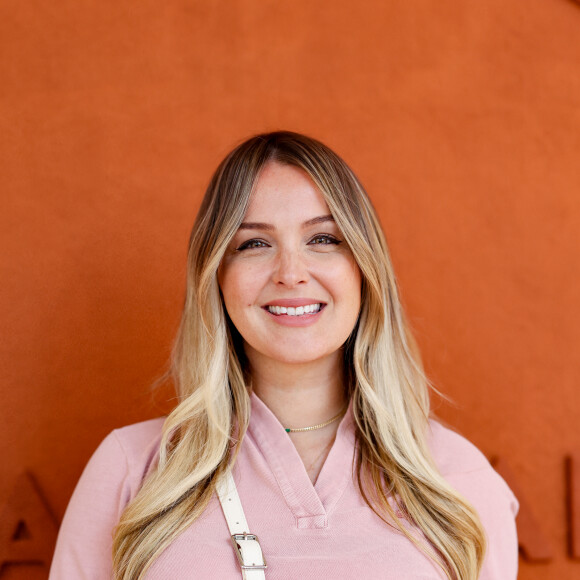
[306, 531]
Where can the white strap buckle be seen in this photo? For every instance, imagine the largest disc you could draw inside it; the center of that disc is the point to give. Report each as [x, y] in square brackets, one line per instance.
[249, 552]
[246, 545]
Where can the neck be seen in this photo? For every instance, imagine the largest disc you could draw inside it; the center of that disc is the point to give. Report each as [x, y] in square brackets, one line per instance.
[300, 395]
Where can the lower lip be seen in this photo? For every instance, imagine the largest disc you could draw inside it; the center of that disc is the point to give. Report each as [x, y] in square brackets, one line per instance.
[303, 320]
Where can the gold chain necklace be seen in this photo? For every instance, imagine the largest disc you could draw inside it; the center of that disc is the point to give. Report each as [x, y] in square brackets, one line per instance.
[319, 426]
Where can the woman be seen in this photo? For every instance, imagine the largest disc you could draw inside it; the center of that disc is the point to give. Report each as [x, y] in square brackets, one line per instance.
[297, 375]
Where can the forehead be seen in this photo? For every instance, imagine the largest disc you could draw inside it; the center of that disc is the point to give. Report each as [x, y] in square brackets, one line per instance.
[284, 191]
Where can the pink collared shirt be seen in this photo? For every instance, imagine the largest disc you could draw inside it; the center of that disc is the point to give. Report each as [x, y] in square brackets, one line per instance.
[320, 531]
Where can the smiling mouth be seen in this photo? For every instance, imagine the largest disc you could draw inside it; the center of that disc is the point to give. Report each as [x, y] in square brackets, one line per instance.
[295, 311]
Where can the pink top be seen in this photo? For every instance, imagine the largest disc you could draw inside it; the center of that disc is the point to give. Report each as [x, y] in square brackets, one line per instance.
[306, 531]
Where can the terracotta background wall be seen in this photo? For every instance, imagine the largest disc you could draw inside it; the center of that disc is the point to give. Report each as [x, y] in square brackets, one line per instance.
[462, 119]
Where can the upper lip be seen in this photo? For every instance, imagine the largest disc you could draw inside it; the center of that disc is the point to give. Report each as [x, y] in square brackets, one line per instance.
[293, 302]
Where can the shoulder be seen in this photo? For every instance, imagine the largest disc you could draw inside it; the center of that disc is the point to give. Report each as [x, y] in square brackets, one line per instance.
[453, 453]
[467, 469]
[124, 458]
[134, 450]
[110, 480]
[139, 443]
[139, 432]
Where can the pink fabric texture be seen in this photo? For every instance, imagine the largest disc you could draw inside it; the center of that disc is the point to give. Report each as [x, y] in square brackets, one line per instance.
[306, 531]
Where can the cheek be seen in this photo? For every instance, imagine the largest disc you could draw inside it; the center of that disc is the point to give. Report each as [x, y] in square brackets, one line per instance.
[239, 286]
[229, 287]
[346, 279]
[355, 278]
[351, 285]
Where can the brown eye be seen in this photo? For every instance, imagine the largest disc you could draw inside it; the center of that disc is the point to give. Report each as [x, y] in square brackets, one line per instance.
[323, 239]
[250, 244]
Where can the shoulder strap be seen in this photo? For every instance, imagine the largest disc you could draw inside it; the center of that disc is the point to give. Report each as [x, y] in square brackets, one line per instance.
[246, 545]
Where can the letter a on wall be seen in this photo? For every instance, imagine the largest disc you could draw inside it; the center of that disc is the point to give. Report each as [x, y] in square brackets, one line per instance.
[27, 528]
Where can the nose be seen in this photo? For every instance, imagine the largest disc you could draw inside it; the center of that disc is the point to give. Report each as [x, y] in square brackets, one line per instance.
[290, 269]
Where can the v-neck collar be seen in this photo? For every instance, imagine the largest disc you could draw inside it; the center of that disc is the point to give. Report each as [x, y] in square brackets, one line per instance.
[310, 504]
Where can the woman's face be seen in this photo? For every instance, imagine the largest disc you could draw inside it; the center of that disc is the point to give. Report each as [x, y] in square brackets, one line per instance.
[290, 283]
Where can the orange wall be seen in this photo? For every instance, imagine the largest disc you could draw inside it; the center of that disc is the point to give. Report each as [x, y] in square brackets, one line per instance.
[463, 120]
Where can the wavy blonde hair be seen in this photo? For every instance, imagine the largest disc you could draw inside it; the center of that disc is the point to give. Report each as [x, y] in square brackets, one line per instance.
[385, 380]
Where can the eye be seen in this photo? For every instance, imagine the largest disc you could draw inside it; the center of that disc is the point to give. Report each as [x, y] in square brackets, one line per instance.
[251, 244]
[323, 240]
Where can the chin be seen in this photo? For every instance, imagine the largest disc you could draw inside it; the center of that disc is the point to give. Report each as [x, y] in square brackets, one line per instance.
[299, 358]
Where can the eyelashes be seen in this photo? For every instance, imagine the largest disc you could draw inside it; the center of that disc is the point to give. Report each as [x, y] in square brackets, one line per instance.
[324, 240]
[317, 240]
[252, 244]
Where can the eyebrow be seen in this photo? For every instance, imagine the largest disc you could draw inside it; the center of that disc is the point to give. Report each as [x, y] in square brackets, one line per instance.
[269, 227]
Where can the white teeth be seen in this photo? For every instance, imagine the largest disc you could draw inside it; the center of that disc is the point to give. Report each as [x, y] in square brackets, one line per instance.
[294, 311]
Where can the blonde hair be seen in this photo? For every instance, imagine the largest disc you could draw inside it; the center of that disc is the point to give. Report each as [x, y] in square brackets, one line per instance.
[385, 379]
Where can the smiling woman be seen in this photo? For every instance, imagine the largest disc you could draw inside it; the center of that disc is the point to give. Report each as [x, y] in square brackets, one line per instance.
[302, 399]
[289, 256]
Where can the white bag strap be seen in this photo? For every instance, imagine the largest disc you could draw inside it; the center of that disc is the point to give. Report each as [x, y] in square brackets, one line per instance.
[246, 545]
